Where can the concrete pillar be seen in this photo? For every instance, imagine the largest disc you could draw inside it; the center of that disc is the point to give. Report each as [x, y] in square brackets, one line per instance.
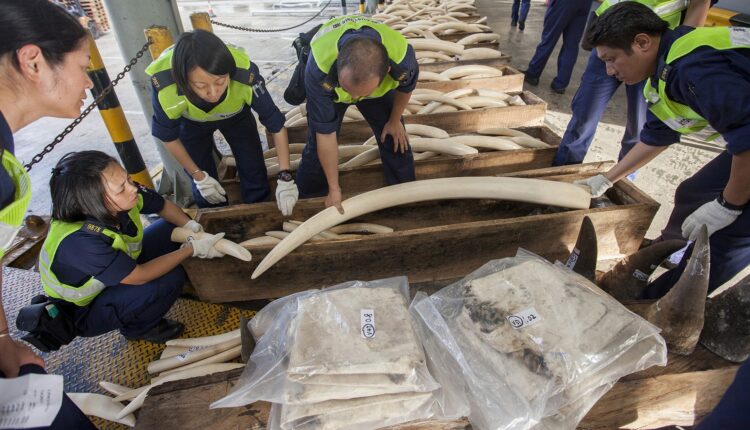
[129, 19]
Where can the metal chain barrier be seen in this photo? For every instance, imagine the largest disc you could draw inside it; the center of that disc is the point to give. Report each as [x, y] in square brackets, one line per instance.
[269, 30]
[47, 149]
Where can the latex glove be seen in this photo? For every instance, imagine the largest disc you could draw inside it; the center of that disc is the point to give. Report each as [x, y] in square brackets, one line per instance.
[7, 234]
[205, 248]
[598, 185]
[286, 196]
[193, 226]
[713, 215]
[210, 189]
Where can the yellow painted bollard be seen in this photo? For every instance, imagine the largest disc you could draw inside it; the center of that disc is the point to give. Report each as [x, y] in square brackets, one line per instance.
[202, 21]
[381, 5]
[114, 119]
[160, 38]
[361, 6]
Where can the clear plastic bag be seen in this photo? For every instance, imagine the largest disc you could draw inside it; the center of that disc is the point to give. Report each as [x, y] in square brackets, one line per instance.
[349, 341]
[535, 342]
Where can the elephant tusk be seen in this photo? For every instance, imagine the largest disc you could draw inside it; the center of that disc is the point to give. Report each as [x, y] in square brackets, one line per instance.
[180, 235]
[206, 340]
[516, 189]
[169, 363]
[102, 406]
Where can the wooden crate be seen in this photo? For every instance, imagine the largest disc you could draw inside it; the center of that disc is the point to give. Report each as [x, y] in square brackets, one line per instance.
[511, 81]
[530, 115]
[681, 393]
[365, 178]
[432, 241]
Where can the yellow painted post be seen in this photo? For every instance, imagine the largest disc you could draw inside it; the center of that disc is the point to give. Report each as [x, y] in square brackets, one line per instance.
[160, 38]
[202, 21]
[361, 6]
[114, 119]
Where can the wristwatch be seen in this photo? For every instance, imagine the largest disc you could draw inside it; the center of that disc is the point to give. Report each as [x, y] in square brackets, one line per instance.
[285, 175]
[728, 205]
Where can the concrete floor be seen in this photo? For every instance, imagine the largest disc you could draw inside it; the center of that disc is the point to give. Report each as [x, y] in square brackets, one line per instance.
[273, 53]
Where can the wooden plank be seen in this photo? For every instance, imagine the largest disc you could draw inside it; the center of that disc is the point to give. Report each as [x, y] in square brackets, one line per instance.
[675, 397]
[511, 81]
[370, 177]
[433, 241]
[530, 115]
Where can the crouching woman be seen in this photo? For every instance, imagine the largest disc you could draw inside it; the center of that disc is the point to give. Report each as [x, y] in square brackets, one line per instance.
[98, 257]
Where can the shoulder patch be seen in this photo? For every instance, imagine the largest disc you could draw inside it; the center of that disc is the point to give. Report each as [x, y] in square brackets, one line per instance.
[92, 228]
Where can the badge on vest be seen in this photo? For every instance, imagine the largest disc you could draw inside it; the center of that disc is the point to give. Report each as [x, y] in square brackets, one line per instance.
[155, 82]
[327, 86]
[93, 228]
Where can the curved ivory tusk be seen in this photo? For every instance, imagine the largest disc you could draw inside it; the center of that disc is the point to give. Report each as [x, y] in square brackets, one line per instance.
[529, 142]
[205, 340]
[277, 234]
[294, 148]
[302, 120]
[460, 71]
[102, 406]
[323, 235]
[260, 241]
[501, 131]
[442, 146]
[424, 91]
[458, 26]
[418, 156]
[360, 227]
[185, 374]
[479, 38]
[114, 389]
[426, 131]
[436, 45]
[488, 142]
[372, 153]
[180, 235]
[433, 54]
[482, 102]
[222, 357]
[171, 351]
[516, 189]
[440, 99]
[132, 394]
[516, 101]
[495, 94]
[163, 364]
[445, 108]
[480, 53]
[432, 76]
[353, 113]
[680, 313]
[301, 109]
[348, 151]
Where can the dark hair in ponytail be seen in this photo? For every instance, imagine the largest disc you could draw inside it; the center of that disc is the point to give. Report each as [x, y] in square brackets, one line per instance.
[40, 23]
[77, 188]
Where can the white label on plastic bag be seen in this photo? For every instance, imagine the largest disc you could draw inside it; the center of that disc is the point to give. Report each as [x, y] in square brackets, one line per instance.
[524, 318]
[637, 274]
[30, 401]
[367, 323]
[573, 259]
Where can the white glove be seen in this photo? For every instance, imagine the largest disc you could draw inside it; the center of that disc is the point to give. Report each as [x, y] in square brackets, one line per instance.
[210, 189]
[204, 248]
[598, 185]
[193, 226]
[7, 234]
[286, 196]
[713, 215]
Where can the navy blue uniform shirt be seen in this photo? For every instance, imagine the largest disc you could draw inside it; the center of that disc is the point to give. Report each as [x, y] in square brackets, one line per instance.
[715, 84]
[321, 113]
[167, 130]
[83, 253]
[7, 187]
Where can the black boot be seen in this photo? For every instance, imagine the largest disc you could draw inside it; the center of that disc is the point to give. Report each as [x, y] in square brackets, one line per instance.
[531, 80]
[513, 23]
[521, 25]
[164, 331]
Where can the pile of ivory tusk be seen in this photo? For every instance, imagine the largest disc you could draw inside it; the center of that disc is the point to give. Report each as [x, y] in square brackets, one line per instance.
[298, 115]
[469, 71]
[181, 359]
[425, 101]
[339, 232]
[411, 10]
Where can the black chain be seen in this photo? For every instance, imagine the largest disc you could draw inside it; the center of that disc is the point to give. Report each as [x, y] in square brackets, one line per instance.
[47, 149]
[270, 30]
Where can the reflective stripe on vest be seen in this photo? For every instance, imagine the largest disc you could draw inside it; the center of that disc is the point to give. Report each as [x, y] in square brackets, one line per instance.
[324, 47]
[175, 105]
[12, 215]
[669, 10]
[678, 116]
[58, 231]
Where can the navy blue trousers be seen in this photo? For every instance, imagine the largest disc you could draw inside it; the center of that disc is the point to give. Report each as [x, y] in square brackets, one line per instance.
[135, 309]
[69, 416]
[588, 106]
[524, 6]
[733, 410]
[241, 133]
[730, 246]
[397, 167]
[564, 18]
